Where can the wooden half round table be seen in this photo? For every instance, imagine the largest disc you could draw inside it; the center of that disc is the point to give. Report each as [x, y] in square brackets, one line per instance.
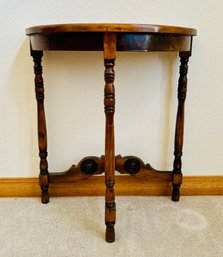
[109, 38]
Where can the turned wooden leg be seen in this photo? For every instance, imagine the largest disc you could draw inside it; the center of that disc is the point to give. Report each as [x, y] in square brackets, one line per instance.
[42, 134]
[179, 131]
[109, 103]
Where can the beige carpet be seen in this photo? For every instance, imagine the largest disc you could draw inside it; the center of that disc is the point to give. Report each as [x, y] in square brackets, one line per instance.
[146, 226]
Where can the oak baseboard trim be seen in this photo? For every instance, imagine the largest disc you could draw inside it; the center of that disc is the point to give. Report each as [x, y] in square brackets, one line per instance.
[125, 185]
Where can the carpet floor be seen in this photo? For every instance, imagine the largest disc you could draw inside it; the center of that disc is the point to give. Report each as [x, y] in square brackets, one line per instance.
[146, 226]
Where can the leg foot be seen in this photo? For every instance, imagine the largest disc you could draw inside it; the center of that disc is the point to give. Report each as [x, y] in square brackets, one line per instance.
[110, 233]
[177, 181]
[176, 193]
[44, 185]
[44, 195]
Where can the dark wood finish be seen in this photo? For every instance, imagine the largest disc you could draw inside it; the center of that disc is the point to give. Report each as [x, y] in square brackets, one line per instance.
[109, 27]
[138, 169]
[42, 134]
[109, 103]
[179, 131]
[86, 168]
[130, 37]
[141, 42]
[111, 38]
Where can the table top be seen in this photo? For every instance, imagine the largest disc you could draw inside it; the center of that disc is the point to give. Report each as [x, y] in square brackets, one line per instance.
[127, 37]
[106, 27]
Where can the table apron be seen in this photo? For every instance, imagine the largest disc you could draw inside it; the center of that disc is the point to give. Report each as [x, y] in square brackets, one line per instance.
[131, 42]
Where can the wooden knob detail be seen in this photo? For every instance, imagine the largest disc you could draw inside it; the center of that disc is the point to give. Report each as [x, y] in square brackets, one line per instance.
[132, 165]
[89, 166]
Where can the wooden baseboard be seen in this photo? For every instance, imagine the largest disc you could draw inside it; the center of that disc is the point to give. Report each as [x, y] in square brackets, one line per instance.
[125, 185]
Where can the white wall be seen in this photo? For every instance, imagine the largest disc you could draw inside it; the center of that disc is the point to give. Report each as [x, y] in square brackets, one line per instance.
[145, 88]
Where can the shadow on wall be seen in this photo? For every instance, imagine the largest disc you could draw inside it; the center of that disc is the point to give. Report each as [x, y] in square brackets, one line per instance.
[23, 113]
[169, 84]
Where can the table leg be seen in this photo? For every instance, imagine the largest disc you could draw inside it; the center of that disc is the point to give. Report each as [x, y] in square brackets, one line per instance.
[109, 103]
[179, 130]
[42, 133]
